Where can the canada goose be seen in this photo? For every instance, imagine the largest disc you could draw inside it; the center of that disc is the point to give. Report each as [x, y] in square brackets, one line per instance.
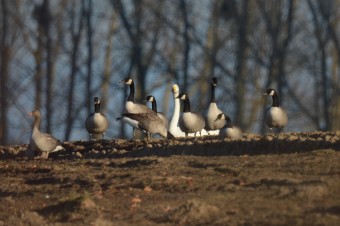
[152, 99]
[229, 130]
[43, 142]
[174, 127]
[212, 123]
[147, 122]
[190, 122]
[275, 116]
[96, 123]
[130, 105]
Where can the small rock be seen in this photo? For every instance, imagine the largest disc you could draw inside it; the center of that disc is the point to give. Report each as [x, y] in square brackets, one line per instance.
[147, 189]
[194, 212]
[78, 154]
[88, 203]
[268, 137]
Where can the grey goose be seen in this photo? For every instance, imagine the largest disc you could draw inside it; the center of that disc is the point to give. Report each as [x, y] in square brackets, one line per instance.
[275, 116]
[190, 122]
[96, 123]
[43, 142]
[229, 130]
[212, 123]
[153, 101]
[147, 122]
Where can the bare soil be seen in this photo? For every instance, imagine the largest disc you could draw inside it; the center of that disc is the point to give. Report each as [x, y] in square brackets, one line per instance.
[284, 179]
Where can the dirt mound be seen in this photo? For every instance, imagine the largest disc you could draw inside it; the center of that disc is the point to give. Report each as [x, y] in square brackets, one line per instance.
[281, 179]
[249, 144]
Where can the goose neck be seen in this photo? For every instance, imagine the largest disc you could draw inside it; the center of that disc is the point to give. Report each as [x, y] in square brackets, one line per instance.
[154, 106]
[175, 116]
[186, 105]
[36, 123]
[131, 96]
[275, 100]
[228, 123]
[213, 94]
[97, 108]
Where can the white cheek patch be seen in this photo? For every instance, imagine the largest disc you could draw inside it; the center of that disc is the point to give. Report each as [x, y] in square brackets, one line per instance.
[129, 81]
[271, 93]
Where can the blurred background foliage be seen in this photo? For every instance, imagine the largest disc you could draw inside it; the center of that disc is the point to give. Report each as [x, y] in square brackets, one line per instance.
[57, 55]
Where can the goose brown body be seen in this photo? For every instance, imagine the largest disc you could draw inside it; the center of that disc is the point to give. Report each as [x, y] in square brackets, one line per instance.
[153, 101]
[43, 142]
[147, 122]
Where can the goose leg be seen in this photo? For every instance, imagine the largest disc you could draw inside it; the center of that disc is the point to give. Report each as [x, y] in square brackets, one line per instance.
[44, 155]
[103, 136]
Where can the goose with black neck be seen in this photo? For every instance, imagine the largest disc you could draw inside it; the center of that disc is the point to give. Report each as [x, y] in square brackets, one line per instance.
[275, 116]
[96, 123]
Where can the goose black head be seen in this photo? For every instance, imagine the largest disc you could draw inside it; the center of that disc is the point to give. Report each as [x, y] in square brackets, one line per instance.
[128, 80]
[214, 81]
[270, 92]
[222, 116]
[96, 100]
[225, 117]
[182, 96]
[150, 98]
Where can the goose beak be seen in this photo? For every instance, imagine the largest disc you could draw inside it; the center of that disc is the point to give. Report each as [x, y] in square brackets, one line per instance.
[30, 114]
[264, 94]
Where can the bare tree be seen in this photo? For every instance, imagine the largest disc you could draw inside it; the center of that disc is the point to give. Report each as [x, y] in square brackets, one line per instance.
[76, 29]
[278, 17]
[88, 12]
[4, 69]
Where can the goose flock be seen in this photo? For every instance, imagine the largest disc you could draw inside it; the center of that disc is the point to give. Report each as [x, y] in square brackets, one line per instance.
[150, 121]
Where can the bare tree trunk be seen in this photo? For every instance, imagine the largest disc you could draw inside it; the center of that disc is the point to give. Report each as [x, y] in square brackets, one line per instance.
[38, 71]
[186, 43]
[241, 67]
[76, 37]
[210, 52]
[279, 30]
[89, 58]
[325, 7]
[107, 63]
[5, 59]
[46, 23]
